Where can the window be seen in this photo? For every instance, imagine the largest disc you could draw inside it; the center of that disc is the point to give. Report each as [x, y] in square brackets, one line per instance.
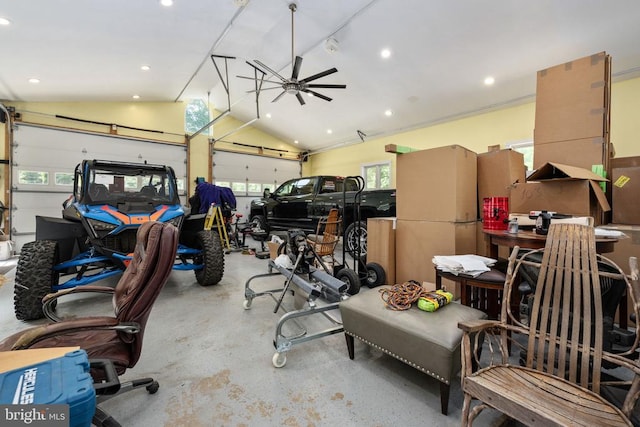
[377, 176]
[239, 187]
[64, 178]
[526, 148]
[196, 115]
[33, 177]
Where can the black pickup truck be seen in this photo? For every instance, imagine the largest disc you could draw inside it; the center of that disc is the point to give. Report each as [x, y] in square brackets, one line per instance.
[301, 202]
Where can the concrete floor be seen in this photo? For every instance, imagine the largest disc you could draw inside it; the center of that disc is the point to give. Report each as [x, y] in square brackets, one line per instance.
[213, 360]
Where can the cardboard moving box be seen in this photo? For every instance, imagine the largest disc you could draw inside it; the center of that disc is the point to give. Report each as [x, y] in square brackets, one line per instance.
[626, 190]
[563, 189]
[381, 245]
[439, 184]
[417, 242]
[498, 171]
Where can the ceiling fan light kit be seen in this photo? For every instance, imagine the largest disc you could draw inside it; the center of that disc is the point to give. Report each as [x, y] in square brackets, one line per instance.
[292, 85]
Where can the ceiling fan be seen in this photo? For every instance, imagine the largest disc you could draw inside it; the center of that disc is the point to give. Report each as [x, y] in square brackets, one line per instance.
[292, 85]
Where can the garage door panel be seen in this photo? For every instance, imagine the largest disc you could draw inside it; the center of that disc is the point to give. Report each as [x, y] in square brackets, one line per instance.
[46, 149]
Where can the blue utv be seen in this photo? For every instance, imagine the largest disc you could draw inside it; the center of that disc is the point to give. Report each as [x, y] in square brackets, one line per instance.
[97, 232]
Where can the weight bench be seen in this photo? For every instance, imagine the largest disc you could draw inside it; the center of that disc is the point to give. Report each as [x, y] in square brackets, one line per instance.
[429, 342]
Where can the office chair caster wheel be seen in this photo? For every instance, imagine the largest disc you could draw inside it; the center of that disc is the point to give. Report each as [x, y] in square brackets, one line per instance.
[153, 387]
[279, 360]
[246, 304]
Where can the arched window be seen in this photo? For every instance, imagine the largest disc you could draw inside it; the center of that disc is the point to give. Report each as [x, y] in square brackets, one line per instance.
[196, 115]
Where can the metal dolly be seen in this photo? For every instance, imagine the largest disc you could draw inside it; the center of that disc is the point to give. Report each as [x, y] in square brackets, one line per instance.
[320, 284]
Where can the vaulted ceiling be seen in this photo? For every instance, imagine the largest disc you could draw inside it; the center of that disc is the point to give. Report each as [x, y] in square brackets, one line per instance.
[441, 52]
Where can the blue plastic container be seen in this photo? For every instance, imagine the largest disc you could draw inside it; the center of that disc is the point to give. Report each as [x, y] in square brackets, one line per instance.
[64, 380]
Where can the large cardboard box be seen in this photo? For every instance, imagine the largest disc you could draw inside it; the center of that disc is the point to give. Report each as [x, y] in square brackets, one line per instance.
[563, 189]
[625, 193]
[381, 245]
[417, 242]
[583, 153]
[498, 171]
[439, 184]
[572, 113]
[572, 100]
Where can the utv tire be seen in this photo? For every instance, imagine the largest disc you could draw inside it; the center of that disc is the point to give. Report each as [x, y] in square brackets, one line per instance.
[212, 258]
[355, 236]
[351, 278]
[35, 278]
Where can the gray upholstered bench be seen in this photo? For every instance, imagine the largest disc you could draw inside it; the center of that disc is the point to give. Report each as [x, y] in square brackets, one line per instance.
[429, 342]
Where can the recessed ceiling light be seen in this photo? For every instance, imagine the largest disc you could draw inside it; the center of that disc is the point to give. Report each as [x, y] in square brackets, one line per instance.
[489, 81]
[388, 113]
[268, 115]
[329, 131]
[4, 21]
[295, 142]
[385, 53]
[136, 96]
[145, 68]
[34, 80]
[166, 2]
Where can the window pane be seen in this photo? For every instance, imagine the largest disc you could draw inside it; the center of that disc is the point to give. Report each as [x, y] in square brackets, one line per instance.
[63, 178]
[371, 177]
[196, 115]
[223, 183]
[385, 176]
[254, 187]
[131, 182]
[33, 177]
[239, 187]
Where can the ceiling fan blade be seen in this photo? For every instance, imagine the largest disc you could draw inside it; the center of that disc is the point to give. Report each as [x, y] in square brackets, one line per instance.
[296, 68]
[300, 99]
[275, 73]
[327, 86]
[319, 75]
[279, 96]
[319, 95]
[259, 79]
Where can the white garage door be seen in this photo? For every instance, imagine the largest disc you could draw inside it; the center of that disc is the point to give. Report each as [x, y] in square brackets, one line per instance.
[44, 160]
[249, 174]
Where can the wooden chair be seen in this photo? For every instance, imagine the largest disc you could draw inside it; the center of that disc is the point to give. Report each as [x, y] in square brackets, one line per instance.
[327, 236]
[561, 347]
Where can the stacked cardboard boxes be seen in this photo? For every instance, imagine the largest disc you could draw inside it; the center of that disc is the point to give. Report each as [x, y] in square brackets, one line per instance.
[436, 196]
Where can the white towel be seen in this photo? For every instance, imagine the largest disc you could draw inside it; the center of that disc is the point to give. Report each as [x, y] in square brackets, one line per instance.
[472, 265]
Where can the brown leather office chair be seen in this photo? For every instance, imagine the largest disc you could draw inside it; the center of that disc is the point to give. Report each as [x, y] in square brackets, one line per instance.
[117, 338]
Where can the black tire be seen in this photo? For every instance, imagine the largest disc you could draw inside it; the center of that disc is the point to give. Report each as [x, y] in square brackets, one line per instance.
[376, 275]
[354, 236]
[260, 221]
[351, 278]
[212, 257]
[35, 278]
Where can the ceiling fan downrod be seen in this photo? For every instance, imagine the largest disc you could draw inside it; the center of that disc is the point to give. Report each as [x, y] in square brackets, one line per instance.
[293, 7]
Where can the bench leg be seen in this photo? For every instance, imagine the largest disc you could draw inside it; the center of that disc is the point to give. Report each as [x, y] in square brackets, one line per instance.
[444, 398]
[350, 345]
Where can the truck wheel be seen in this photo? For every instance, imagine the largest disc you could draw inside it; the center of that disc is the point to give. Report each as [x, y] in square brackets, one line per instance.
[351, 278]
[259, 221]
[35, 278]
[375, 275]
[212, 258]
[355, 236]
